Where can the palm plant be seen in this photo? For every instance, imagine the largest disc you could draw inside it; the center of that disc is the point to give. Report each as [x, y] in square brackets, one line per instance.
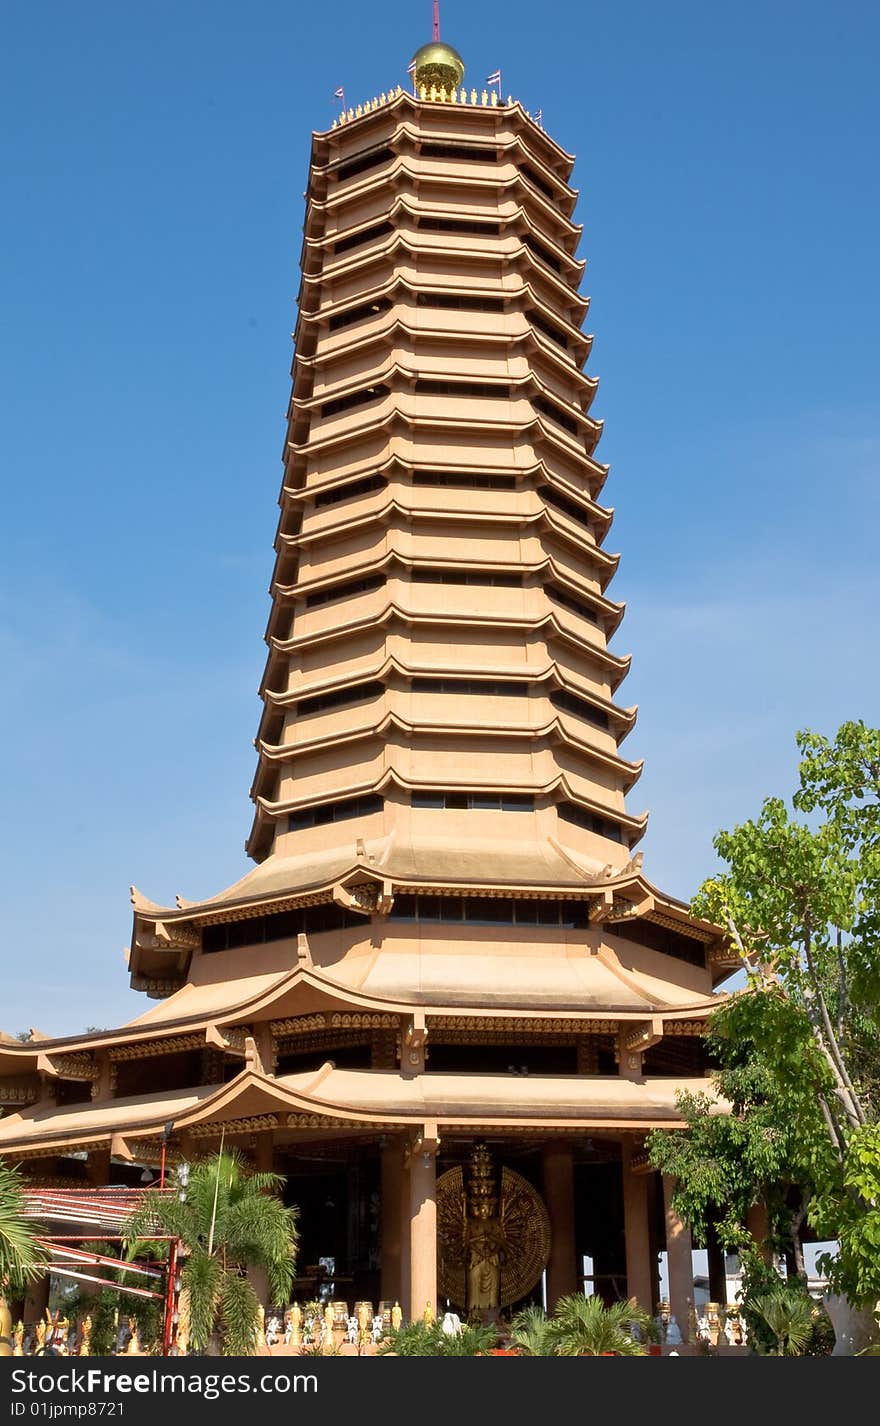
[789, 1316]
[20, 1257]
[417, 1339]
[585, 1327]
[228, 1220]
[530, 1331]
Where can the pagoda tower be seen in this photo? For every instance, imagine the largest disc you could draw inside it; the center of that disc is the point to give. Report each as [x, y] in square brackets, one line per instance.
[446, 1003]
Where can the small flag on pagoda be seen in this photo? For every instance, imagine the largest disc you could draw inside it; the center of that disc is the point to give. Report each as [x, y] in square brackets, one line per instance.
[494, 78]
[539, 117]
[339, 94]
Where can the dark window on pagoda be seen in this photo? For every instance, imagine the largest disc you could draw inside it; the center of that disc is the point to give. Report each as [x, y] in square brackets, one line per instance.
[581, 817]
[350, 1056]
[353, 400]
[577, 606]
[491, 911]
[556, 334]
[474, 801]
[278, 926]
[493, 391]
[349, 491]
[567, 702]
[356, 240]
[555, 413]
[507, 1058]
[460, 225]
[345, 590]
[329, 812]
[357, 314]
[464, 481]
[363, 163]
[537, 182]
[500, 579]
[460, 302]
[489, 687]
[551, 496]
[338, 698]
[177, 1070]
[543, 253]
[475, 152]
[659, 938]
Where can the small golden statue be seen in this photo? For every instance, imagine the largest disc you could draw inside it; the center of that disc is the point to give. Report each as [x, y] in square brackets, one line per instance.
[327, 1339]
[364, 1314]
[134, 1348]
[39, 1336]
[262, 1344]
[85, 1336]
[18, 1339]
[396, 1316]
[296, 1320]
[428, 1315]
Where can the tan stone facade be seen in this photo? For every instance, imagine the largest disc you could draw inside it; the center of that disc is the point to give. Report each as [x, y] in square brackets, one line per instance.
[448, 939]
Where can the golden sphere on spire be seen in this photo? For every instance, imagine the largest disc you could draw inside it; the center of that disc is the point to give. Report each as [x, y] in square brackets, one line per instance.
[438, 63]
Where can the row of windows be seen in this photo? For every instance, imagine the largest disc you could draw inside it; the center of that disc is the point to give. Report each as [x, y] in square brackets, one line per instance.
[353, 400]
[494, 687]
[536, 181]
[340, 811]
[551, 496]
[460, 225]
[460, 302]
[466, 576]
[278, 927]
[366, 235]
[350, 490]
[494, 391]
[363, 163]
[549, 408]
[576, 606]
[479, 152]
[344, 591]
[580, 817]
[487, 687]
[358, 314]
[491, 911]
[569, 703]
[543, 253]
[554, 333]
[464, 480]
[338, 698]
[437, 798]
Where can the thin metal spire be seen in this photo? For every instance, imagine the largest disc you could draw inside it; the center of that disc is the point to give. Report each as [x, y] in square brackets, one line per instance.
[435, 32]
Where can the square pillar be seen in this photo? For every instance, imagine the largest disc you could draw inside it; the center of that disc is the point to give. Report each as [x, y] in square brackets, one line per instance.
[679, 1263]
[423, 1228]
[405, 1298]
[637, 1232]
[558, 1181]
[390, 1280]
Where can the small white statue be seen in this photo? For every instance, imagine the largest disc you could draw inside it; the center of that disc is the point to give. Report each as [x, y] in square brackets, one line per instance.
[352, 1331]
[673, 1333]
[451, 1324]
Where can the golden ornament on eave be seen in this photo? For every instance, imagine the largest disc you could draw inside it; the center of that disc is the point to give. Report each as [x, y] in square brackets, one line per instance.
[439, 64]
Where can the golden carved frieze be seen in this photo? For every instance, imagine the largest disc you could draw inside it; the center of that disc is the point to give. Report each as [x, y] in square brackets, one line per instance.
[250, 1124]
[682, 1028]
[76, 1066]
[299, 1024]
[143, 1049]
[521, 1024]
[19, 1089]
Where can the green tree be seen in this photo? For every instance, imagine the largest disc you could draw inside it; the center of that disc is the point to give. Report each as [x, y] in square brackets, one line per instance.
[800, 1047]
[227, 1220]
[585, 1327]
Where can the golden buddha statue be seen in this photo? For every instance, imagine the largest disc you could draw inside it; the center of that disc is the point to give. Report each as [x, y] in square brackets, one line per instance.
[85, 1338]
[18, 1339]
[396, 1316]
[134, 1348]
[296, 1321]
[428, 1315]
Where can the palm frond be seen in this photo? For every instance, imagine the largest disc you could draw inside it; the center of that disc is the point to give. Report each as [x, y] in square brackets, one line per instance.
[239, 1315]
[20, 1258]
[202, 1276]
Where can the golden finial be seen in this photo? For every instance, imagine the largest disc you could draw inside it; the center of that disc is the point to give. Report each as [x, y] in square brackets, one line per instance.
[439, 65]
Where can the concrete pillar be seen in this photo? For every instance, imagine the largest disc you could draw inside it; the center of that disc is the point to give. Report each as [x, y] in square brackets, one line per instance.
[637, 1232]
[558, 1170]
[405, 1254]
[679, 1264]
[98, 1168]
[758, 1224]
[423, 1231]
[390, 1285]
[717, 1273]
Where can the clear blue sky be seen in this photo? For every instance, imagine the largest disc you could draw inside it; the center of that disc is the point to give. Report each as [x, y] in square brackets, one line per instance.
[153, 165]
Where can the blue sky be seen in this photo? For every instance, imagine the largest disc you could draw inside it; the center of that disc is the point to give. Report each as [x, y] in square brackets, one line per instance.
[153, 163]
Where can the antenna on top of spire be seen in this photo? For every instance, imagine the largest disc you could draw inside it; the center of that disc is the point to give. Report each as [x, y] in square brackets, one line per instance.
[435, 31]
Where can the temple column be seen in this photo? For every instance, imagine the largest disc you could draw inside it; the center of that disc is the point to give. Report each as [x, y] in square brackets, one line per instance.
[717, 1272]
[423, 1227]
[98, 1168]
[637, 1232]
[558, 1177]
[405, 1298]
[390, 1284]
[758, 1224]
[679, 1263]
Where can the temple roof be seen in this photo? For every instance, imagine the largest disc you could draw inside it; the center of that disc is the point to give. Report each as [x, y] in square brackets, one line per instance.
[357, 1099]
